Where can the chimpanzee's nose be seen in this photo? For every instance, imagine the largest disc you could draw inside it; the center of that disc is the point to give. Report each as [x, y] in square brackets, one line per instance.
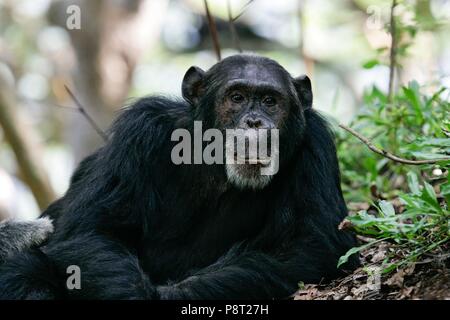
[253, 123]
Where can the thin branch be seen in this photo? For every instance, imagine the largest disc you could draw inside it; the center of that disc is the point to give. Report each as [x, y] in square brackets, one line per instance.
[244, 8]
[393, 52]
[213, 31]
[386, 154]
[233, 32]
[67, 107]
[83, 112]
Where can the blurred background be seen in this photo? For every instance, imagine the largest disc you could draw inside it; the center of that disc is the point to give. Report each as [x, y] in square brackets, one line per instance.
[108, 52]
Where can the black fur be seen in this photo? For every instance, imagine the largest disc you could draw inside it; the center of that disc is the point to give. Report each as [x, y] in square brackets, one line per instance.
[16, 235]
[141, 227]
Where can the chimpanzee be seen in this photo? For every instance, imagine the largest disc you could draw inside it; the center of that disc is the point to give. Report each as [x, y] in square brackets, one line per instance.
[139, 226]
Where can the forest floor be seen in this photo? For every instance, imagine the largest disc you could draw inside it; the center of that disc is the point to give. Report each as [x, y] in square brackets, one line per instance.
[425, 279]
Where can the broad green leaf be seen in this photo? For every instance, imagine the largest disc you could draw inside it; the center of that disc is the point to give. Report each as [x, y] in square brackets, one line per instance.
[413, 183]
[437, 142]
[412, 94]
[387, 208]
[427, 155]
[429, 196]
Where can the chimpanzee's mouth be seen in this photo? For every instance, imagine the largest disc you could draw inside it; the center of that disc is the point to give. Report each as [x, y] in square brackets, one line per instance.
[264, 162]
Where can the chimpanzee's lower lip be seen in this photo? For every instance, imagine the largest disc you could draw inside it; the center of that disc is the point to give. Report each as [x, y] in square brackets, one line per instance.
[259, 161]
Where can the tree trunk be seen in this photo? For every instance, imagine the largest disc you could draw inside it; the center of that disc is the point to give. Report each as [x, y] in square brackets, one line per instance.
[112, 39]
[25, 145]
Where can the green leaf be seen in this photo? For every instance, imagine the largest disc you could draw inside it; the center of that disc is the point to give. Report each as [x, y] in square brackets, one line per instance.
[354, 250]
[428, 155]
[412, 94]
[390, 267]
[387, 208]
[435, 97]
[445, 189]
[437, 142]
[371, 63]
[430, 196]
[413, 183]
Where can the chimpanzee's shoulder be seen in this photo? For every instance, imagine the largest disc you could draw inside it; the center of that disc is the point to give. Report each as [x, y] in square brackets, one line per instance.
[151, 111]
[158, 106]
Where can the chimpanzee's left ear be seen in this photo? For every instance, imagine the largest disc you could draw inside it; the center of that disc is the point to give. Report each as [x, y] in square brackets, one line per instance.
[303, 86]
[192, 84]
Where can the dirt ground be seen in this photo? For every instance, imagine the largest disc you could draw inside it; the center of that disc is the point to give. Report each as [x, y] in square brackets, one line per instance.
[427, 279]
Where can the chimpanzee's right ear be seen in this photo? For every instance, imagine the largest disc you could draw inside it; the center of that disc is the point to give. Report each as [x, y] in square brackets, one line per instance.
[302, 85]
[192, 85]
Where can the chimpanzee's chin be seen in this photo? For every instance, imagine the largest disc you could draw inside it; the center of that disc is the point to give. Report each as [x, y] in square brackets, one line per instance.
[247, 176]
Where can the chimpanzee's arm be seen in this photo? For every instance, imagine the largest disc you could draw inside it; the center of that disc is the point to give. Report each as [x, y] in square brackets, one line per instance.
[251, 272]
[107, 271]
[243, 275]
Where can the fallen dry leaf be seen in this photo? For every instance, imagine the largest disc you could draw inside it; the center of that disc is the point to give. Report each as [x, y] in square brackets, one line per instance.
[396, 280]
[429, 278]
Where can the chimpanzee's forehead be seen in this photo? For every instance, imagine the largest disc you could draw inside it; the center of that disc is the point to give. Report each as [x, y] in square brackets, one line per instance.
[251, 69]
[256, 73]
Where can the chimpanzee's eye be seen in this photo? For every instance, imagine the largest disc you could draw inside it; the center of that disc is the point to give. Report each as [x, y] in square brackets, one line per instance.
[237, 98]
[269, 101]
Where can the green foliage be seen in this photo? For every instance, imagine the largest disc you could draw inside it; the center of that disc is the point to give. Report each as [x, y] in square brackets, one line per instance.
[421, 226]
[410, 17]
[414, 126]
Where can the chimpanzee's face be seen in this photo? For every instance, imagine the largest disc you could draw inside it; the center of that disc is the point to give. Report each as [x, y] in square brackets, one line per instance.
[256, 98]
[252, 97]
